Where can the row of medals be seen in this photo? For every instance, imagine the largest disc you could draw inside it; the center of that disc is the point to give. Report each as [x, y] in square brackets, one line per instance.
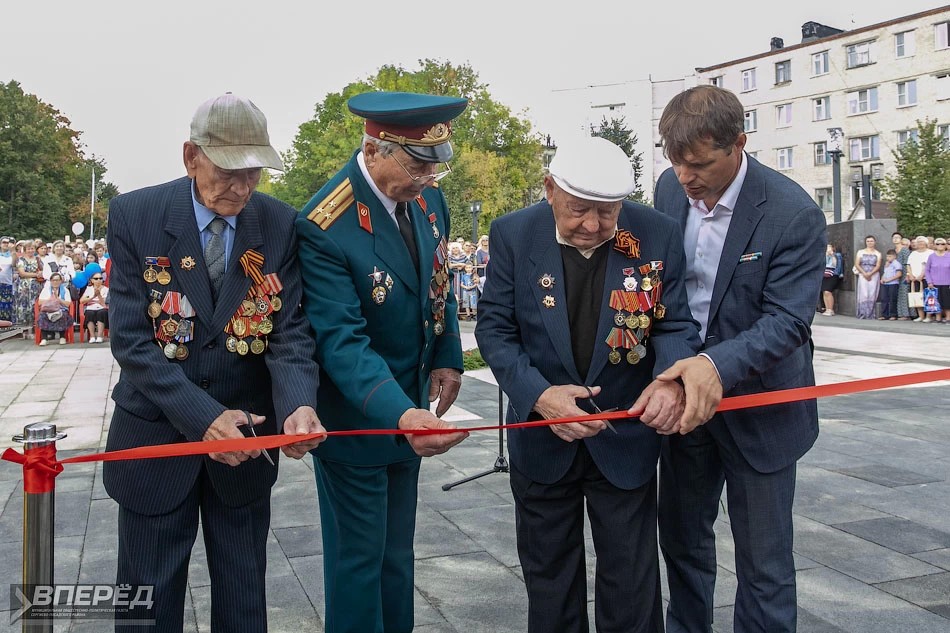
[172, 349]
[251, 319]
[638, 322]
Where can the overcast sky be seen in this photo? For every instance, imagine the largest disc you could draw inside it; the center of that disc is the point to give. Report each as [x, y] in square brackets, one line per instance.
[129, 75]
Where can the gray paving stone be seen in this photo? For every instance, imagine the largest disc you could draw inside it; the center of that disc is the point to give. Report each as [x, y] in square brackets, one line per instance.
[300, 541]
[898, 534]
[309, 573]
[938, 557]
[866, 561]
[449, 583]
[930, 592]
[887, 475]
[492, 528]
[856, 607]
[437, 535]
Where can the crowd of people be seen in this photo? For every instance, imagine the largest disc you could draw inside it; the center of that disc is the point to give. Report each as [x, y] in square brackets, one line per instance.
[468, 262]
[908, 282]
[36, 275]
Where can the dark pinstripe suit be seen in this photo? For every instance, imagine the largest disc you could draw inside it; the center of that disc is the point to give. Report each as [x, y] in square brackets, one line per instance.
[160, 401]
[759, 337]
[529, 348]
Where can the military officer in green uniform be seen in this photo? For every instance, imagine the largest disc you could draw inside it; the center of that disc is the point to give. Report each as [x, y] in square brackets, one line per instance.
[373, 251]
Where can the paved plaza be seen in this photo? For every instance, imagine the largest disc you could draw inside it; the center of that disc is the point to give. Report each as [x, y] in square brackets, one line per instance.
[872, 508]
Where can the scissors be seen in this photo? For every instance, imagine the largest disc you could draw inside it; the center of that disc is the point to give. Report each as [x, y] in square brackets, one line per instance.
[590, 398]
[250, 427]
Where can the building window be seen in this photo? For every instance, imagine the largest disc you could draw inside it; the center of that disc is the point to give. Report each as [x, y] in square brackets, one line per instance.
[748, 79]
[906, 136]
[716, 81]
[859, 54]
[822, 157]
[943, 87]
[822, 108]
[941, 31]
[907, 93]
[861, 101]
[819, 63]
[944, 132]
[783, 115]
[904, 45]
[783, 157]
[825, 198]
[865, 148]
[751, 123]
[783, 72]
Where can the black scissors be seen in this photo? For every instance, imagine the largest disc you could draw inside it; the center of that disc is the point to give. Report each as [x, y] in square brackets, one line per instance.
[250, 427]
[590, 399]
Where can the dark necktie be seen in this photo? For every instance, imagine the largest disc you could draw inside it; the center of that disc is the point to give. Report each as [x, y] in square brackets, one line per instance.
[405, 228]
[214, 255]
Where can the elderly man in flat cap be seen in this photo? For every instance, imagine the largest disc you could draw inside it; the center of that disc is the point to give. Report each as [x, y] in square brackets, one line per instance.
[585, 303]
[378, 295]
[206, 326]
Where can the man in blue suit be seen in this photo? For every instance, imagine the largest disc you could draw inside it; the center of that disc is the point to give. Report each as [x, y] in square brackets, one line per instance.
[377, 293]
[206, 326]
[583, 306]
[754, 242]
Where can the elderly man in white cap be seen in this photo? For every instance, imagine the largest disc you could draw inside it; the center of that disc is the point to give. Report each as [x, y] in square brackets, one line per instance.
[206, 327]
[585, 303]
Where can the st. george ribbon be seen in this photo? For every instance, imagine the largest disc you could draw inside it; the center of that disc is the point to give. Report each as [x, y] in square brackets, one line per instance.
[41, 468]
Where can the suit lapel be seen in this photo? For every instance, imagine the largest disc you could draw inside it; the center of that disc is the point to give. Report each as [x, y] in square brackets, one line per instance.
[425, 245]
[194, 283]
[745, 217]
[546, 257]
[236, 283]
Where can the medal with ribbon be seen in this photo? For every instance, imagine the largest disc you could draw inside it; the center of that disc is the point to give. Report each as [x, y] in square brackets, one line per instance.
[439, 286]
[253, 316]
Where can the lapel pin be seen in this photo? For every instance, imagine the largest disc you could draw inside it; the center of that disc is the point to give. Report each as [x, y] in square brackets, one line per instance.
[548, 301]
[187, 262]
[546, 281]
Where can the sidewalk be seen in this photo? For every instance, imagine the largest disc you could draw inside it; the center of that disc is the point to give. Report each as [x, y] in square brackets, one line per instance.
[872, 539]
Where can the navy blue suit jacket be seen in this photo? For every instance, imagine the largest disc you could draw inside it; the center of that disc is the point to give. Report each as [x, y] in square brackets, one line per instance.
[759, 329]
[528, 345]
[160, 401]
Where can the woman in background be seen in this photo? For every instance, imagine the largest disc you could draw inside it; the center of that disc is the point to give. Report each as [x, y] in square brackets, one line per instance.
[54, 310]
[29, 268]
[867, 264]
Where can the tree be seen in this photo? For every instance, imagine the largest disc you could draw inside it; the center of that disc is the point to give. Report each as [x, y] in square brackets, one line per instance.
[920, 190]
[497, 155]
[44, 176]
[615, 131]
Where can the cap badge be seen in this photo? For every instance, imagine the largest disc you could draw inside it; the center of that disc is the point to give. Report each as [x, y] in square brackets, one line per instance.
[438, 133]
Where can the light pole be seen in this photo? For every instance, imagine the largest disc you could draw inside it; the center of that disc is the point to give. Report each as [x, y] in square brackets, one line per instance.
[858, 177]
[92, 203]
[835, 136]
[476, 208]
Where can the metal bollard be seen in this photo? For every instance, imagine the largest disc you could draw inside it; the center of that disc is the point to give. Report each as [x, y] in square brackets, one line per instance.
[38, 518]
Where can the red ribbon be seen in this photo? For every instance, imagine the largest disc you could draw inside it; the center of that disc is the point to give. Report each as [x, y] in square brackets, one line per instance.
[40, 465]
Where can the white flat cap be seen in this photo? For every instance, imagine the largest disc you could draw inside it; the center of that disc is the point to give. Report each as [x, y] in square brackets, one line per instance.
[593, 168]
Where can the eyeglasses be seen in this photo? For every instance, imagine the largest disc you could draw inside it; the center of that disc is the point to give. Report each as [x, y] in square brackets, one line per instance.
[940, 243]
[97, 278]
[436, 177]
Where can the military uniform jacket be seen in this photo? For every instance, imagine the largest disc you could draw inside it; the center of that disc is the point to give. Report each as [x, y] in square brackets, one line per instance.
[161, 401]
[372, 313]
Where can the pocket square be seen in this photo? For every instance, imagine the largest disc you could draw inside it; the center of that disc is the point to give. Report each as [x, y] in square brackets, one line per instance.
[750, 257]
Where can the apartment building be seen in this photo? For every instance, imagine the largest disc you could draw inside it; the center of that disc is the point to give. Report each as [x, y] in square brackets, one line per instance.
[872, 84]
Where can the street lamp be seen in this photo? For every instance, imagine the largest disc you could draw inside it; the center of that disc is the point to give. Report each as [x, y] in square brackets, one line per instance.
[475, 206]
[835, 137]
[858, 177]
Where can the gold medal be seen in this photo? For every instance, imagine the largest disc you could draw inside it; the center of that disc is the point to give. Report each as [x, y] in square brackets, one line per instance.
[266, 326]
[170, 350]
[646, 284]
[257, 346]
[632, 321]
[238, 327]
[164, 277]
[231, 344]
[248, 308]
[242, 348]
[154, 310]
[150, 275]
[181, 353]
[613, 357]
[644, 321]
[276, 303]
[659, 311]
[252, 327]
[632, 357]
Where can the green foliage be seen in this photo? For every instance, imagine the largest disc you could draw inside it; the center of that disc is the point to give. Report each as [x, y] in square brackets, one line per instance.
[45, 180]
[472, 359]
[615, 131]
[920, 191]
[497, 156]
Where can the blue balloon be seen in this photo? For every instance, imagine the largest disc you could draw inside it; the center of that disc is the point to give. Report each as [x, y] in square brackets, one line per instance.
[91, 269]
[80, 279]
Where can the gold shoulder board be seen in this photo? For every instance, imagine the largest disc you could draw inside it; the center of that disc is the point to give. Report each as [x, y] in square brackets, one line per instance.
[333, 206]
